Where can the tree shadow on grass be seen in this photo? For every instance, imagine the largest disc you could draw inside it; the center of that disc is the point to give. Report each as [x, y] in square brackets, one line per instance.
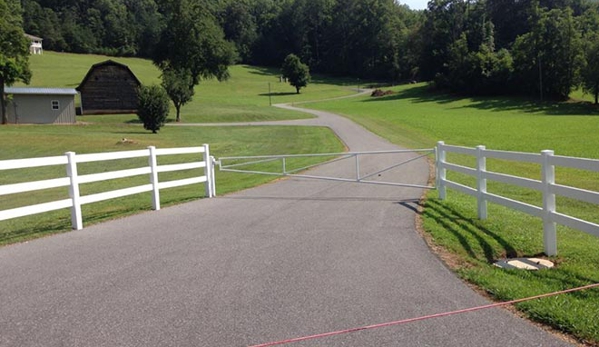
[275, 73]
[418, 94]
[263, 71]
[278, 94]
[465, 229]
[424, 94]
[569, 108]
[140, 132]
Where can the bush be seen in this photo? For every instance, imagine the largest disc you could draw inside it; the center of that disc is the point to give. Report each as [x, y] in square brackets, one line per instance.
[153, 107]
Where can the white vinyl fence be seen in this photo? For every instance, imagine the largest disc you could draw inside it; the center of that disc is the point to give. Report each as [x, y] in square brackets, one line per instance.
[546, 185]
[73, 180]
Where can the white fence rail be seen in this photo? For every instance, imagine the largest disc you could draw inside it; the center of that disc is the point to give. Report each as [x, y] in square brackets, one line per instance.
[73, 180]
[546, 185]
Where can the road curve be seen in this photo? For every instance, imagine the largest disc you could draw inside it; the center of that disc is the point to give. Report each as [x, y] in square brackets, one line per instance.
[287, 259]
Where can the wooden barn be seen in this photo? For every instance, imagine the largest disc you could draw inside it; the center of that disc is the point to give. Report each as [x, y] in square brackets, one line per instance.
[109, 87]
[41, 105]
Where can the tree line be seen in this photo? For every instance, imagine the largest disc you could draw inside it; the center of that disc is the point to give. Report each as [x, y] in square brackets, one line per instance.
[544, 48]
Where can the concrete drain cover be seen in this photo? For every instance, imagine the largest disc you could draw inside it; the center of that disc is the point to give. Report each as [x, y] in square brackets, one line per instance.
[524, 264]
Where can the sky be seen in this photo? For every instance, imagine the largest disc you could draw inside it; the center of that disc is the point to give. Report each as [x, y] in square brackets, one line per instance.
[415, 4]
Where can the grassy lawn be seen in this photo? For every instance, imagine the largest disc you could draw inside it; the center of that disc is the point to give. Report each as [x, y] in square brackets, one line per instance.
[37, 140]
[242, 98]
[417, 118]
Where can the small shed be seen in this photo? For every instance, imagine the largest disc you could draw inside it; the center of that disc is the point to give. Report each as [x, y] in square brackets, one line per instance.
[36, 44]
[41, 105]
[109, 87]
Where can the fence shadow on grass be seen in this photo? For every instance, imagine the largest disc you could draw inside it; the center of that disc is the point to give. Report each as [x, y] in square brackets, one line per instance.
[424, 94]
[22, 234]
[466, 230]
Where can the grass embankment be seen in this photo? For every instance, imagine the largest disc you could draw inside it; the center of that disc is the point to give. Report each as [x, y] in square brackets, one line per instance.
[243, 98]
[417, 118]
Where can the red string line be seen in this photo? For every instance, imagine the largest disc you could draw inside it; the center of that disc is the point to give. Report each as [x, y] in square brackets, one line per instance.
[436, 315]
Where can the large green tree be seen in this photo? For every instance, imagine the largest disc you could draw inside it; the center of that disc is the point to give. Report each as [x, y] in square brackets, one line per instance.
[14, 50]
[179, 87]
[239, 26]
[590, 72]
[193, 41]
[547, 60]
[113, 27]
[296, 72]
[443, 26]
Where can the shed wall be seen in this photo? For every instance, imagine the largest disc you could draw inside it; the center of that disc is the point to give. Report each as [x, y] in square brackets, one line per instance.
[37, 109]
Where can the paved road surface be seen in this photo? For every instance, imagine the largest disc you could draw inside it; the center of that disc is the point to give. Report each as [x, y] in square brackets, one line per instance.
[287, 259]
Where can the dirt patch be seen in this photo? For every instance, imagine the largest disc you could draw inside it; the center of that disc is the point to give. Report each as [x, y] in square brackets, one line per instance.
[380, 92]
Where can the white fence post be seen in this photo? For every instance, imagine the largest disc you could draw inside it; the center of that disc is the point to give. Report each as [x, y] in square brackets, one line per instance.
[549, 227]
[441, 171]
[208, 170]
[213, 177]
[481, 182]
[153, 162]
[76, 218]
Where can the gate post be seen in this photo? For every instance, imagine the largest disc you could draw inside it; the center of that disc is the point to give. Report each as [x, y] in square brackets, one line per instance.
[549, 227]
[481, 182]
[213, 177]
[208, 170]
[441, 171]
[153, 162]
[74, 194]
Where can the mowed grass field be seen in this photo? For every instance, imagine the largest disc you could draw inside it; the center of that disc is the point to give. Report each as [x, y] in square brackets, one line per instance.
[244, 97]
[240, 99]
[416, 117]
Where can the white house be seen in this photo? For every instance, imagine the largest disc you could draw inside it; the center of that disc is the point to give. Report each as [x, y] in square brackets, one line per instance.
[36, 44]
[41, 105]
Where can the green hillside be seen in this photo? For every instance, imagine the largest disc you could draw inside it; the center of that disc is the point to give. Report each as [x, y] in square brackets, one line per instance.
[242, 98]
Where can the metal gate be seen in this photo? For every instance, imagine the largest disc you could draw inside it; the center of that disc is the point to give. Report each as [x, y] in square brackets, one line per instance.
[251, 165]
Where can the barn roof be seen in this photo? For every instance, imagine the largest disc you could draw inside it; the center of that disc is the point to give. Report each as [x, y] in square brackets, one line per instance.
[104, 63]
[39, 91]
